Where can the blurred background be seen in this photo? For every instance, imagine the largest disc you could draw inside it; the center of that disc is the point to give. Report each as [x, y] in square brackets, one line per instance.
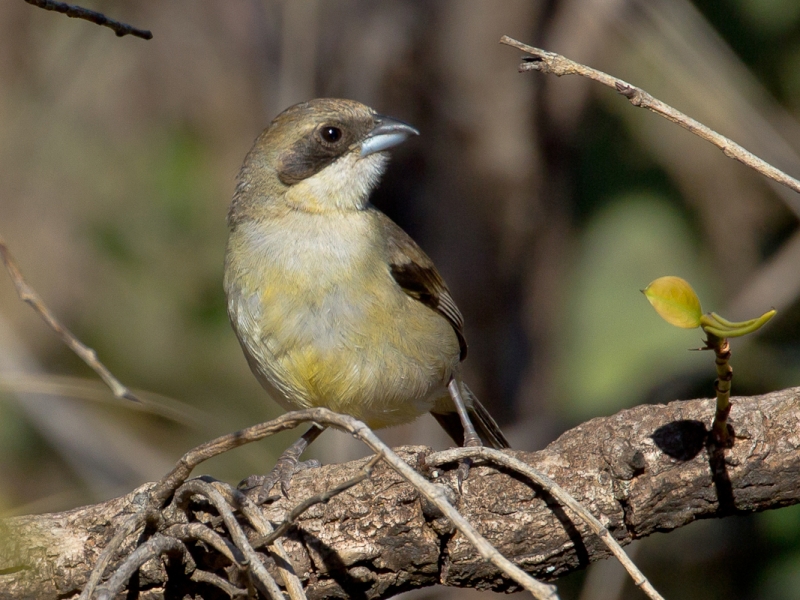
[546, 203]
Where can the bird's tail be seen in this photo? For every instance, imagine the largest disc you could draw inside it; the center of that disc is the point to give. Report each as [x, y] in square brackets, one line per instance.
[485, 425]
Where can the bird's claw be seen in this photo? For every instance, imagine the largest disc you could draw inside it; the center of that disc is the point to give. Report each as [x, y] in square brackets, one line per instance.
[258, 487]
[465, 463]
[463, 472]
[311, 463]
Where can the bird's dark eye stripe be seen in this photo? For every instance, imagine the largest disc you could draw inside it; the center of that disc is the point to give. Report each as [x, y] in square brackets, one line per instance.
[312, 153]
[331, 134]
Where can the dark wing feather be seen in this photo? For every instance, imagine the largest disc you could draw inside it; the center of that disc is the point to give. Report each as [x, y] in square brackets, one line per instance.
[416, 274]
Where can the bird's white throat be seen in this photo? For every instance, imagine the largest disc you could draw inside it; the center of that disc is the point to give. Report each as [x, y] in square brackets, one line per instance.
[345, 184]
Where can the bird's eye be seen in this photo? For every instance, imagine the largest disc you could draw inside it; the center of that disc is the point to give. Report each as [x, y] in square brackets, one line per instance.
[331, 134]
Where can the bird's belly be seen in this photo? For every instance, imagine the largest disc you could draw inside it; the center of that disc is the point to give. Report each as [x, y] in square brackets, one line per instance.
[343, 336]
[357, 360]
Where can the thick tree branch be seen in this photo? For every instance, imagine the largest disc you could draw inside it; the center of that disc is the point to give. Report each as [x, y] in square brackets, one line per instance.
[643, 470]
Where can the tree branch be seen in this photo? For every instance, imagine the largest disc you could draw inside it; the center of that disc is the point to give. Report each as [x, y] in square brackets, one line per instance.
[28, 295]
[643, 470]
[556, 64]
[78, 12]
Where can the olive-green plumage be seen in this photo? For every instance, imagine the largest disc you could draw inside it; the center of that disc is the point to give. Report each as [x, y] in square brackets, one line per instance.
[333, 304]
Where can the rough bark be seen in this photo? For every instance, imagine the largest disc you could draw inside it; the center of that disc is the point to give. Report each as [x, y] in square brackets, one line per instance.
[645, 469]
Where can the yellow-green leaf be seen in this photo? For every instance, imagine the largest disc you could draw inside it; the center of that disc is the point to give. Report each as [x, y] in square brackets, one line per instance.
[675, 300]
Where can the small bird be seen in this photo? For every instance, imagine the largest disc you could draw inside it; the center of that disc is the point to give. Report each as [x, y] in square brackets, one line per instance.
[333, 303]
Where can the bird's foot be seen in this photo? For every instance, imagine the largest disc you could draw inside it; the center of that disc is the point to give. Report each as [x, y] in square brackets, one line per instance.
[258, 487]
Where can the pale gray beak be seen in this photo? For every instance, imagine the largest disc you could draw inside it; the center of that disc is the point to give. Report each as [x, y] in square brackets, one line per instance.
[387, 133]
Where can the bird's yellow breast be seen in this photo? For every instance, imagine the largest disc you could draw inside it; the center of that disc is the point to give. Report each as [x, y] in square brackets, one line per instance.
[323, 323]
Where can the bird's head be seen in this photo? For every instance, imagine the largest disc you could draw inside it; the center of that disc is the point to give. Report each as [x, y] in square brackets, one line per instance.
[321, 155]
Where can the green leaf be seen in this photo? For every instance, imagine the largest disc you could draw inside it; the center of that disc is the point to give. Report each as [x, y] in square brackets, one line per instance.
[722, 328]
[675, 301]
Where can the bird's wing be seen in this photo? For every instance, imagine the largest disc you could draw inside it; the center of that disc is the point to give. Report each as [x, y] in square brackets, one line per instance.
[417, 276]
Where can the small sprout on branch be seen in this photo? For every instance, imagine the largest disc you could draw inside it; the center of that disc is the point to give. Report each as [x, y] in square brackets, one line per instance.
[677, 303]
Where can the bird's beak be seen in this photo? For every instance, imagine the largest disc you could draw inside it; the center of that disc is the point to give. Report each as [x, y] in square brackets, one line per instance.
[387, 133]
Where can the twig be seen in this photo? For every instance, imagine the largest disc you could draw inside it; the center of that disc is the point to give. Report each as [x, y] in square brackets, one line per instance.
[264, 580]
[198, 531]
[129, 525]
[216, 580]
[174, 479]
[560, 494]
[152, 548]
[323, 416]
[78, 12]
[89, 356]
[263, 527]
[290, 579]
[92, 390]
[556, 64]
[325, 496]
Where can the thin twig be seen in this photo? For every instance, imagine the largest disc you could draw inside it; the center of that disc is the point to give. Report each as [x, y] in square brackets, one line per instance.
[325, 496]
[323, 416]
[264, 580]
[154, 547]
[290, 579]
[197, 531]
[560, 494]
[556, 64]
[78, 12]
[89, 356]
[216, 580]
[263, 527]
[92, 390]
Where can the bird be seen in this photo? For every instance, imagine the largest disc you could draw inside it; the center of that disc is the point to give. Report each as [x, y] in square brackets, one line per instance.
[333, 304]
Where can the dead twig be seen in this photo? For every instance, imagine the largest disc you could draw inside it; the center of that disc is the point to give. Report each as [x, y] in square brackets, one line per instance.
[89, 356]
[78, 12]
[92, 390]
[556, 64]
[197, 531]
[152, 548]
[560, 494]
[290, 579]
[264, 581]
[256, 518]
[240, 501]
[216, 580]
